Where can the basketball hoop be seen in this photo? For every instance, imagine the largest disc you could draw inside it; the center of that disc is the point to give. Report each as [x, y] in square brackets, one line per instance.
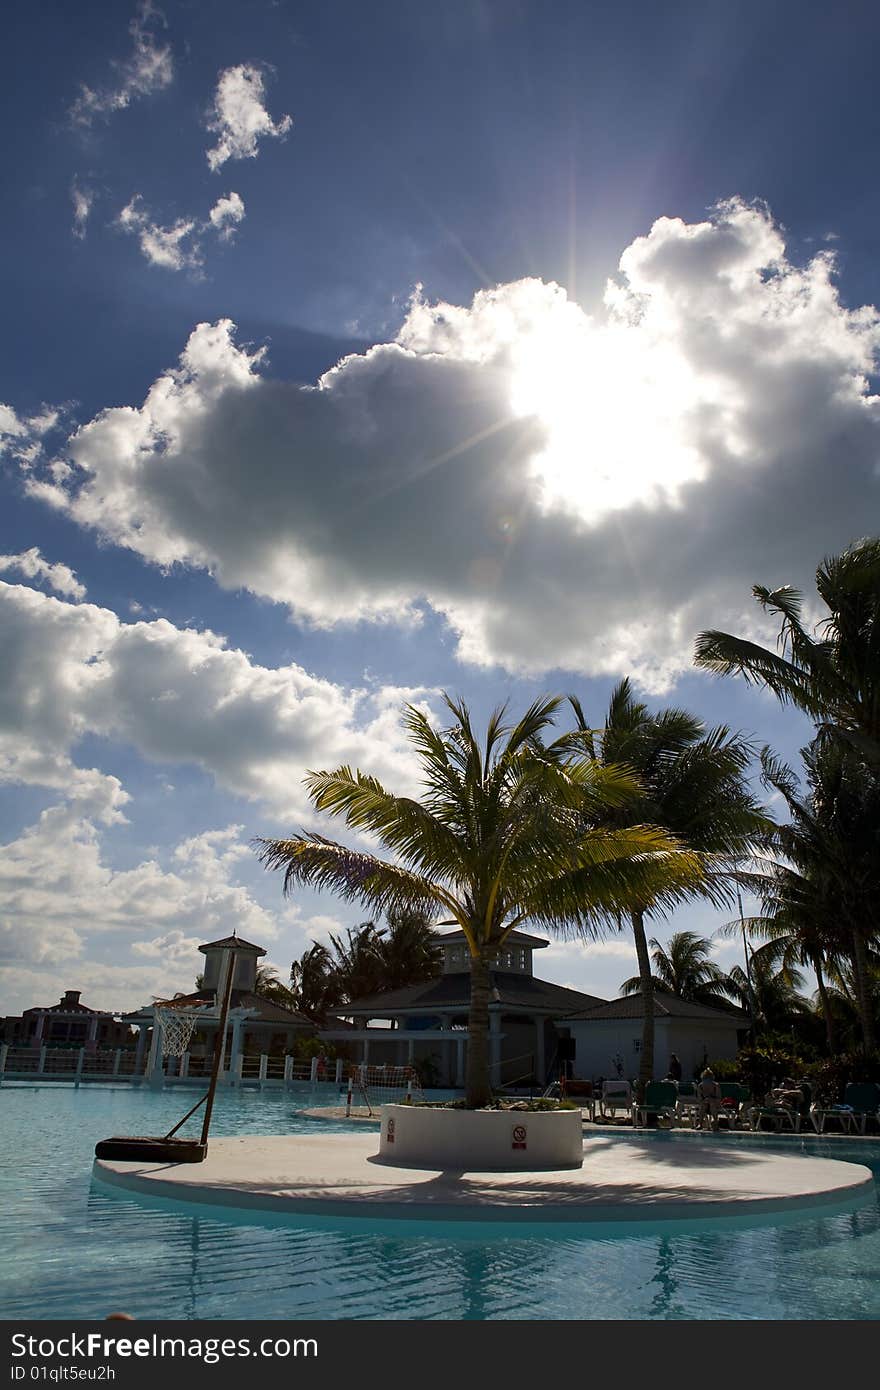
[177, 1024]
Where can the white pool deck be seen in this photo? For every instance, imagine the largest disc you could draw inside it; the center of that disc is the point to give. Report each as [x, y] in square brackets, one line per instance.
[340, 1175]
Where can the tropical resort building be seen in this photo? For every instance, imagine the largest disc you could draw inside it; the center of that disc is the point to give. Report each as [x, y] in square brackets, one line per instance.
[69, 1023]
[608, 1036]
[426, 1025]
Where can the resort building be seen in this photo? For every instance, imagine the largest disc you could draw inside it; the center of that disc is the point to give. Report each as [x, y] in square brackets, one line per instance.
[426, 1024]
[257, 1024]
[608, 1036]
[68, 1023]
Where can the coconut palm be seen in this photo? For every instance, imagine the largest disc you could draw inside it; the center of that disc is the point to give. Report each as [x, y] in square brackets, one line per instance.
[772, 989]
[833, 673]
[693, 785]
[508, 832]
[683, 968]
[314, 982]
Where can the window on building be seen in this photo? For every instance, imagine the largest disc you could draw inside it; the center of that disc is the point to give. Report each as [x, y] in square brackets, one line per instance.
[637, 1044]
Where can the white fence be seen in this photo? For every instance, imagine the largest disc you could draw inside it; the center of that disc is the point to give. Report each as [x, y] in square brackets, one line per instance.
[82, 1064]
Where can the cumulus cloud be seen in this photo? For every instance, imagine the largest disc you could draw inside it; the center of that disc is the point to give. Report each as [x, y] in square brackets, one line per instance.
[180, 246]
[173, 248]
[82, 199]
[569, 490]
[22, 438]
[238, 117]
[148, 68]
[226, 214]
[60, 900]
[179, 697]
[31, 564]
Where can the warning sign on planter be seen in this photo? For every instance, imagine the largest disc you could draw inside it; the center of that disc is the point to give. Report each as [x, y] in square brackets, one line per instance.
[519, 1137]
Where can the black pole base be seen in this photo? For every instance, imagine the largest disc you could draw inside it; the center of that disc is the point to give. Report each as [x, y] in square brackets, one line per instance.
[145, 1150]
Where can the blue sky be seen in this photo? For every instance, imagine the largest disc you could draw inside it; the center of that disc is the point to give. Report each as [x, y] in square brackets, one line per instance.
[215, 574]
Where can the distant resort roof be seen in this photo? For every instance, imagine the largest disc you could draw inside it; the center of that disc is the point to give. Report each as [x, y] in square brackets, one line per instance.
[232, 941]
[452, 991]
[515, 938]
[665, 1006]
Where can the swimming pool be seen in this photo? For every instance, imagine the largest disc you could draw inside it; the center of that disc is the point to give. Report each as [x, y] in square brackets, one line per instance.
[68, 1250]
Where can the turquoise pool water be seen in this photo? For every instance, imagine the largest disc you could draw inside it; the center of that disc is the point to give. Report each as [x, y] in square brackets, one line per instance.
[68, 1250]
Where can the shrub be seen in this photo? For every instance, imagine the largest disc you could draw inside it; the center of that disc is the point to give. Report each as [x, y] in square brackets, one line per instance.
[726, 1069]
[830, 1076]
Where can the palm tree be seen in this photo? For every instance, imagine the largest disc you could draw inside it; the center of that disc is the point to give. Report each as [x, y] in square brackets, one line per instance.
[315, 983]
[683, 968]
[508, 831]
[832, 674]
[772, 989]
[408, 949]
[693, 785]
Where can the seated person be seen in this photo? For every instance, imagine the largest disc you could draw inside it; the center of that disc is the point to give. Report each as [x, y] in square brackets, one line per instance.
[789, 1094]
[709, 1098]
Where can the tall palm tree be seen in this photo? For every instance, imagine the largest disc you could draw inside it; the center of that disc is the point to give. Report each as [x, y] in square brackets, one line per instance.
[683, 968]
[693, 785]
[796, 889]
[508, 831]
[408, 949]
[833, 673]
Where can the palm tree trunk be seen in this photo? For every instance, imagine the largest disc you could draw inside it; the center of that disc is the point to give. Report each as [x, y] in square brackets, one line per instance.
[646, 1059]
[478, 1088]
[830, 1033]
[863, 993]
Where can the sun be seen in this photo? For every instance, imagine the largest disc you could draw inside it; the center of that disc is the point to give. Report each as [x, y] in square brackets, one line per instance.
[618, 405]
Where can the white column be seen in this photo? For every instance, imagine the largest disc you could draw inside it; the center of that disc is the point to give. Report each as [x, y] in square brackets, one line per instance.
[117, 1057]
[139, 1049]
[234, 1074]
[38, 1034]
[154, 1062]
[93, 1028]
[459, 1059]
[495, 1048]
[288, 1070]
[365, 1052]
[264, 1067]
[338, 1076]
[184, 1065]
[41, 1065]
[540, 1059]
[79, 1066]
[313, 1071]
[4, 1053]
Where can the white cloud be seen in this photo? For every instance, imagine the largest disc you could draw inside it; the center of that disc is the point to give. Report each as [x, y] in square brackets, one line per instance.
[179, 697]
[31, 564]
[60, 901]
[22, 439]
[180, 246]
[83, 200]
[568, 490]
[173, 248]
[239, 118]
[226, 214]
[148, 68]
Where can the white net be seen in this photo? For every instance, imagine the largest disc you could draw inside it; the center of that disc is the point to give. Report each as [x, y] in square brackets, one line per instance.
[377, 1086]
[177, 1026]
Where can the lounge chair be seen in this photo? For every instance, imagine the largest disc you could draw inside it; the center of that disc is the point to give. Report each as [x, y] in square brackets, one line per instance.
[780, 1117]
[734, 1106]
[661, 1098]
[687, 1105]
[863, 1099]
[616, 1095]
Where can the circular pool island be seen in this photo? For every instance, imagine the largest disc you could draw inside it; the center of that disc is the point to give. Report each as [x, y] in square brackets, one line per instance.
[665, 1178]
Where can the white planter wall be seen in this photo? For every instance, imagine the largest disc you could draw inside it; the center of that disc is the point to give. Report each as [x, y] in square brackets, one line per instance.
[482, 1140]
